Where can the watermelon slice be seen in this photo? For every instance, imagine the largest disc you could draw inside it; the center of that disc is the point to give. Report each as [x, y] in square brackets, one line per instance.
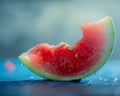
[65, 62]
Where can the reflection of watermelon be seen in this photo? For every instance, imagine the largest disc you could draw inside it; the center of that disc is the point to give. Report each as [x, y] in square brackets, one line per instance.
[64, 62]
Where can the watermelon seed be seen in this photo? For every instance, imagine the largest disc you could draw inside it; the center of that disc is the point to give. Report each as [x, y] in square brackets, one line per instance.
[70, 48]
[62, 60]
[62, 44]
[52, 47]
[37, 50]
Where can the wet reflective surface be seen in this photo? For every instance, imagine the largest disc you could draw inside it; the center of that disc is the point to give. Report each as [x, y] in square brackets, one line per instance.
[21, 81]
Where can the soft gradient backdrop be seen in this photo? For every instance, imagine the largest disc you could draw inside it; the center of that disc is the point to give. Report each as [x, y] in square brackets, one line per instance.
[23, 24]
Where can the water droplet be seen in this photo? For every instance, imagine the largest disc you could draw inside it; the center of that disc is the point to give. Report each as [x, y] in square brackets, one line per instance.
[115, 79]
[21, 64]
[69, 70]
[32, 77]
[76, 55]
[105, 79]
[93, 51]
[100, 78]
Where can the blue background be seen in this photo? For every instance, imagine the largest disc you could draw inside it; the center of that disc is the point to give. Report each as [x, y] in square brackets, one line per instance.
[25, 23]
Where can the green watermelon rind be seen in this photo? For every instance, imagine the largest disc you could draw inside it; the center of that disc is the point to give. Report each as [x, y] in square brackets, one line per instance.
[40, 72]
[110, 36]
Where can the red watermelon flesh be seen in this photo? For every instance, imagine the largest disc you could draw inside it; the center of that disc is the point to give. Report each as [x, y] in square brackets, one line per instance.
[65, 62]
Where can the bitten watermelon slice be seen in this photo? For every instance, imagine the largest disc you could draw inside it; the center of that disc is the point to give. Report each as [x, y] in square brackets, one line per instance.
[65, 62]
